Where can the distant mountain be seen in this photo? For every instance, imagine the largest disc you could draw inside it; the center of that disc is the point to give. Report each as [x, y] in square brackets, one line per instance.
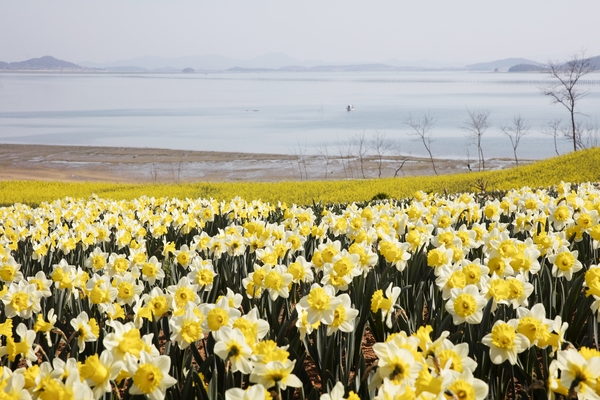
[502, 65]
[46, 63]
[595, 61]
[526, 68]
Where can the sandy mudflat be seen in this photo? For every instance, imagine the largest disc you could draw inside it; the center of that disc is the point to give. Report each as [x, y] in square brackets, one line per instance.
[124, 164]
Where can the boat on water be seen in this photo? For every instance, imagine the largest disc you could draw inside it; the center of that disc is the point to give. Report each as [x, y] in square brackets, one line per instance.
[350, 107]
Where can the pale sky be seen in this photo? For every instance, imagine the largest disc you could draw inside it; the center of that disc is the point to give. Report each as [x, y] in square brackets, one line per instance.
[458, 31]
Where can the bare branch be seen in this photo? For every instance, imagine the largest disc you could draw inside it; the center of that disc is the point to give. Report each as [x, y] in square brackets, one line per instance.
[477, 122]
[380, 145]
[324, 152]
[361, 146]
[563, 88]
[422, 131]
[515, 131]
[552, 128]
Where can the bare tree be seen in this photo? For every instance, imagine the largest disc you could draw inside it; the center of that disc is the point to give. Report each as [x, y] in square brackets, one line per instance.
[563, 89]
[422, 131]
[154, 173]
[381, 146]
[361, 146]
[324, 152]
[515, 131]
[299, 153]
[475, 125]
[345, 152]
[552, 128]
[176, 170]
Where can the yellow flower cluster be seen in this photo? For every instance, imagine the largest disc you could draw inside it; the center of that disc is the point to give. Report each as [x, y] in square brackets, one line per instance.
[580, 166]
[144, 295]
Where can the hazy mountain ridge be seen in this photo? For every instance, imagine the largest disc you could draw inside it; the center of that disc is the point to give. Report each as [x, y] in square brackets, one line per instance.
[503, 64]
[45, 63]
[267, 62]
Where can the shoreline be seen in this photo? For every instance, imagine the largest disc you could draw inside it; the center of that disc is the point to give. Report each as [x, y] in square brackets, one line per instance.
[148, 165]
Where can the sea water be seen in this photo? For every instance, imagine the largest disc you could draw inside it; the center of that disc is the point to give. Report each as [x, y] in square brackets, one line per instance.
[282, 112]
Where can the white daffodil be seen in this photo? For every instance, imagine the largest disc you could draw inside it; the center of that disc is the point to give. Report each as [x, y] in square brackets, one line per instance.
[467, 387]
[232, 346]
[320, 304]
[343, 316]
[385, 303]
[218, 315]
[254, 392]
[275, 373]
[151, 376]
[98, 372]
[187, 327]
[395, 363]
[505, 342]
[578, 373]
[45, 327]
[84, 330]
[301, 270]
[152, 271]
[466, 305]
[253, 328]
[183, 293]
[565, 263]
[202, 273]
[42, 284]
[21, 299]
[277, 282]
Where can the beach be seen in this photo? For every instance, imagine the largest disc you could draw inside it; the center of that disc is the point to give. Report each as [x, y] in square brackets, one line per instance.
[147, 165]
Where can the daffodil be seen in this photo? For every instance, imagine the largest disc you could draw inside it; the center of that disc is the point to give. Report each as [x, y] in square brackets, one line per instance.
[126, 343]
[9, 270]
[277, 282]
[253, 328]
[232, 346]
[466, 305]
[152, 271]
[579, 374]
[344, 316]
[24, 347]
[203, 273]
[320, 304]
[338, 392]
[565, 263]
[21, 299]
[184, 256]
[253, 392]
[100, 371]
[151, 376]
[301, 270]
[467, 387]
[505, 342]
[46, 327]
[275, 373]
[395, 363]
[187, 328]
[218, 315]
[183, 293]
[385, 303]
[85, 333]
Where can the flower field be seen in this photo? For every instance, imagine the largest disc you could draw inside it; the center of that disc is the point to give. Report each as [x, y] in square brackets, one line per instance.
[461, 296]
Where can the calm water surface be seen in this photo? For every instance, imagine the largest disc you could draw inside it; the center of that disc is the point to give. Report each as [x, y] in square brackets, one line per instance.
[277, 112]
